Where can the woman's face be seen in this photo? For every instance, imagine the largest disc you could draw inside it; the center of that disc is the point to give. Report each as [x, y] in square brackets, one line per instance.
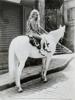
[35, 16]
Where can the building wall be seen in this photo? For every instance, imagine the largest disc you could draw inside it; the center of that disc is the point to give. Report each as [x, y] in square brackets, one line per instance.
[41, 8]
[26, 12]
[13, 19]
[69, 18]
[10, 27]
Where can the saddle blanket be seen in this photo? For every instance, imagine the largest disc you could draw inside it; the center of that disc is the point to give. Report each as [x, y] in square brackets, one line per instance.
[35, 42]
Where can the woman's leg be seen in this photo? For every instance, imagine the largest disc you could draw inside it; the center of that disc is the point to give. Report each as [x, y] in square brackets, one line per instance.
[41, 49]
[44, 51]
[42, 43]
[45, 43]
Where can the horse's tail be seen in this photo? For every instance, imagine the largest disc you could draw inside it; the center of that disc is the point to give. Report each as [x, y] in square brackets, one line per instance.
[11, 62]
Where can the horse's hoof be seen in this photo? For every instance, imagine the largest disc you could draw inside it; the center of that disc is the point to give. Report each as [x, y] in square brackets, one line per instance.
[42, 79]
[20, 90]
[45, 81]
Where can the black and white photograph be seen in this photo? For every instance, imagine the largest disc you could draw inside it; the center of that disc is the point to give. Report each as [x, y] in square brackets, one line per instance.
[37, 49]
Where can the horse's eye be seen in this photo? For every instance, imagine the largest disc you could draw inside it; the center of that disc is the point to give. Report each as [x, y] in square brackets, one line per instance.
[48, 44]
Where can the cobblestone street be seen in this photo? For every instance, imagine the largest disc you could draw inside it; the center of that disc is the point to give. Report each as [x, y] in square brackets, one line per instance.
[60, 86]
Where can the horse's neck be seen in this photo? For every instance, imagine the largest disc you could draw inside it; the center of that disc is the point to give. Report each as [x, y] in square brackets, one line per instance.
[56, 34]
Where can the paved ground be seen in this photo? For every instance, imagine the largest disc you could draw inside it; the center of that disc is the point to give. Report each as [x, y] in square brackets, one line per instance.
[60, 86]
[57, 61]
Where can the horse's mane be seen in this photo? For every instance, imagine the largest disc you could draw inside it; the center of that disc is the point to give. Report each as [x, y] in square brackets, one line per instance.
[57, 34]
[60, 29]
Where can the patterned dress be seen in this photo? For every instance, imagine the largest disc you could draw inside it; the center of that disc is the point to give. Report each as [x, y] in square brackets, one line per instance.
[32, 28]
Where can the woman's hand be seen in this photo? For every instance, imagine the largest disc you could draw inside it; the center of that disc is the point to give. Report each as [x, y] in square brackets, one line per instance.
[43, 36]
[37, 36]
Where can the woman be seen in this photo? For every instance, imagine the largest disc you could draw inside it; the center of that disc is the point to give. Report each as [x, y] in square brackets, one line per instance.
[33, 28]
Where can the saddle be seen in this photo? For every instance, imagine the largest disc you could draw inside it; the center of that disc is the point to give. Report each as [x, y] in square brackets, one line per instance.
[34, 41]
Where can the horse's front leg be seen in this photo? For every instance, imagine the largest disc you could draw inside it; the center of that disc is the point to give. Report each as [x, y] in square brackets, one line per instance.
[48, 59]
[43, 68]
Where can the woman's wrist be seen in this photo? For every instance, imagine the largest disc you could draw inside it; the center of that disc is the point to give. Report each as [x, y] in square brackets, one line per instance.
[37, 36]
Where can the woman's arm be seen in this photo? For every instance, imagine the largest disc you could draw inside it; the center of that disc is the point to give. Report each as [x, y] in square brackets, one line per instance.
[43, 30]
[37, 36]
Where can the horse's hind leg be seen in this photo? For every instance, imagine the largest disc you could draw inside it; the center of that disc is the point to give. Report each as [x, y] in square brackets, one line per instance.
[45, 69]
[18, 74]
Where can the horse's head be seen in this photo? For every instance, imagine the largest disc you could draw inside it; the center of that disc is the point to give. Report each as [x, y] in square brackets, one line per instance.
[54, 36]
[62, 30]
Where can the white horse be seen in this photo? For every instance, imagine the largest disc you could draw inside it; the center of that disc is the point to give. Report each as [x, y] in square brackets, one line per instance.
[20, 49]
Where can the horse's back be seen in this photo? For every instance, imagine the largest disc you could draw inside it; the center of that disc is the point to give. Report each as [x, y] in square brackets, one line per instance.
[19, 40]
[19, 45]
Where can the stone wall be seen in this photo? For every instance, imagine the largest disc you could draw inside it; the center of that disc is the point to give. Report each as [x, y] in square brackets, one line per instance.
[69, 19]
[41, 7]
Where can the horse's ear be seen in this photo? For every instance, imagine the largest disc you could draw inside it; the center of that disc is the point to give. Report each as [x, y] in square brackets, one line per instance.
[64, 27]
[60, 26]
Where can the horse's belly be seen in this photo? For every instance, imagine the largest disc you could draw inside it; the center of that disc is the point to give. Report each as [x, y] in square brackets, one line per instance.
[34, 53]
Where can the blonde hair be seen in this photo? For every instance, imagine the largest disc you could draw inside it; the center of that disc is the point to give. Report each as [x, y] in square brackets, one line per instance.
[31, 17]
